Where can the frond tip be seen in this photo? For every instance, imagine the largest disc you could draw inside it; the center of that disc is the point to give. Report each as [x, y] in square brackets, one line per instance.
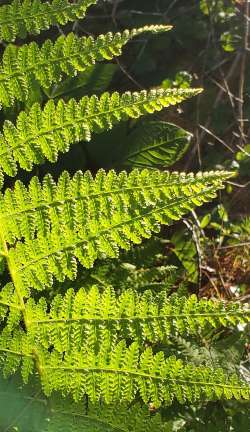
[86, 218]
[22, 17]
[42, 134]
[24, 66]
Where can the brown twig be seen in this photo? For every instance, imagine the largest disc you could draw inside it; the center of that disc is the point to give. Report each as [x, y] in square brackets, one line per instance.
[242, 75]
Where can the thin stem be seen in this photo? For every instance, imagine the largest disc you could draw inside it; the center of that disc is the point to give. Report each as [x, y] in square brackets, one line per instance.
[242, 75]
[17, 282]
[134, 318]
[142, 374]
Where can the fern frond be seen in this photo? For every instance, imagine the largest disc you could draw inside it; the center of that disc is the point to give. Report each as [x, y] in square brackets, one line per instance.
[22, 66]
[118, 374]
[90, 317]
[123, 373]
[31, 16]
[86, 218]
[42, 134]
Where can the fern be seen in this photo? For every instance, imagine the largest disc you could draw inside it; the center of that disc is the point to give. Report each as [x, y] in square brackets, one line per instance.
[42, 134]
[92, 342]
[31, 16]
[23, 67]
[94, 217]
[118, 374]
[91, 317]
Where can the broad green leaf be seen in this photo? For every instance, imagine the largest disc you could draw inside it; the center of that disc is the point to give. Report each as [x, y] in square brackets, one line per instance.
[155, 144]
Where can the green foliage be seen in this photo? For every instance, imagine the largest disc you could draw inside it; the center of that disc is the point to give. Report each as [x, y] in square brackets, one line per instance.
[95, 318]
[95, 217]
[99, 344]
[155, 144]
[185, 250]
[119, 374]
[23, 67]
[25, 409]
[42, 134]
[31, 16]
[95, 79]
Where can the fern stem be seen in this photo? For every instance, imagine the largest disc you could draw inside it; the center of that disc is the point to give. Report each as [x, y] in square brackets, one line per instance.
[13, 274]
[10, 305]
[134, 318]
[17, 353]
[17, 282]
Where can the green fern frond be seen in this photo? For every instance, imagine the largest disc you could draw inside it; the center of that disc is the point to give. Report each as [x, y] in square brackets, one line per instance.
[85, 219]
[22, 66]
[31, 16]
[42, 134]
[90, 317]
[119, 374]
[122, 373]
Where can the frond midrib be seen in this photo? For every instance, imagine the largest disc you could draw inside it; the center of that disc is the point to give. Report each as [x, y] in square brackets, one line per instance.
[141, 374]
[17, 353]
[137, 317]
[153, 146]
[10, 305]
[107, 230]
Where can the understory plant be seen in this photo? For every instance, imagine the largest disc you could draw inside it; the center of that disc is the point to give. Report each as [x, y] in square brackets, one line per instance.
[69, 327]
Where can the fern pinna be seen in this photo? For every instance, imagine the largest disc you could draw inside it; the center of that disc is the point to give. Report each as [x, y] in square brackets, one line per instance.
[91, 341]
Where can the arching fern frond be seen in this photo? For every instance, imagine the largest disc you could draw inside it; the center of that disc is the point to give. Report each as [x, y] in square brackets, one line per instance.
[31, 16]
[92, 318]
[42, 134]
[121, 373]
[85, 219]
[22, 66]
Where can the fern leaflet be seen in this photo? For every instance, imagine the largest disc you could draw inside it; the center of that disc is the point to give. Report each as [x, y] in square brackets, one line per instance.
[41, 134]
[90, 317]
[31, 16]
[86, 218]
[118, 374]
[23, 66]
